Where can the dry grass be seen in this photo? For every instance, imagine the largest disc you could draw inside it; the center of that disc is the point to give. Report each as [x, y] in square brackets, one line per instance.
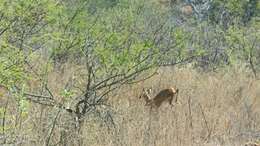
[217, 109]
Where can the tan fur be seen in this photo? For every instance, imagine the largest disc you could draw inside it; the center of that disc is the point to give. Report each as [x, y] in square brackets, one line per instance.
[163, 95]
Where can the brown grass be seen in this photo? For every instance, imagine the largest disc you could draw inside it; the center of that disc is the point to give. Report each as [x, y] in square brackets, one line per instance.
[217, 109]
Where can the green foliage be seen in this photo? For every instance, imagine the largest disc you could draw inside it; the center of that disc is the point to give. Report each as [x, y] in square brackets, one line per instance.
[111, 41]
[11, 65]
[66, 94]
[117, 35]
[233, 11]
[101, 4]
[181, 39]
[23, 104]
[244, 43]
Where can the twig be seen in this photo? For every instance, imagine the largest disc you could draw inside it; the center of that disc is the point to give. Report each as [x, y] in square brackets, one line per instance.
[52, 128]
[49, 91]
[146, 78]
[38, 96]
[205, 121]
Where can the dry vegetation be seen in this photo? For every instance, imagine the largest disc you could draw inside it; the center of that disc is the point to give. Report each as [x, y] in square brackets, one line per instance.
[217, 108]
[72, 72]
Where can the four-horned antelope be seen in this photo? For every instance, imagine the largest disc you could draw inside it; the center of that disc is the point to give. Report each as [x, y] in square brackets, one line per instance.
[163, 95]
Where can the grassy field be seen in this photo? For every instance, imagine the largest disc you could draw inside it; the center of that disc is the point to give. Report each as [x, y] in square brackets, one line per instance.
[219, 108]
[216, 109]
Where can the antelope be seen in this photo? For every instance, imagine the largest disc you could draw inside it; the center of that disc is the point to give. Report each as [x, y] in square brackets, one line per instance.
[164, 95]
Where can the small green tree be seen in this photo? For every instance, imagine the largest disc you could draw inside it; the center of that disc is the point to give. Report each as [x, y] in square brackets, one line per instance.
[244, 45]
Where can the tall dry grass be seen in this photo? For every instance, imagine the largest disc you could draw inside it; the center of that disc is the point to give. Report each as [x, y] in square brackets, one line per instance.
[217, 109]
[220, 108]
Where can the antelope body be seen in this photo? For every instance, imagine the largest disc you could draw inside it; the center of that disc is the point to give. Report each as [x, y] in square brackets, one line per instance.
[164, 95]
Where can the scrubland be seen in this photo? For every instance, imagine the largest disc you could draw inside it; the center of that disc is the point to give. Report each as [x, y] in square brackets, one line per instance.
[72, 72]
[215, 109]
